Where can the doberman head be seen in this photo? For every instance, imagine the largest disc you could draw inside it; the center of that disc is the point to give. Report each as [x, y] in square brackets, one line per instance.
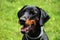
[31, 17]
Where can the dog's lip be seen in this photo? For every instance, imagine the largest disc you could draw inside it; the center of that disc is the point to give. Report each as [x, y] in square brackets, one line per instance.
[25, 28]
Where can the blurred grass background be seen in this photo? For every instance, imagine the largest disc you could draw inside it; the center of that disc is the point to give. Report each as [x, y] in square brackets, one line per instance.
[9, 27]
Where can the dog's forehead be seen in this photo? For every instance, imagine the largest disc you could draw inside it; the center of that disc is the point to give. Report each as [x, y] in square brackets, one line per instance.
[31, 7]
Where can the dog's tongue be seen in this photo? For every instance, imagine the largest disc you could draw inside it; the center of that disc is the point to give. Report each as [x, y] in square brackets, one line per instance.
[24, 29]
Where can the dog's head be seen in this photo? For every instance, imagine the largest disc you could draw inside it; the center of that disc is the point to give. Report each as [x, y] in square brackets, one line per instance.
[30, 17]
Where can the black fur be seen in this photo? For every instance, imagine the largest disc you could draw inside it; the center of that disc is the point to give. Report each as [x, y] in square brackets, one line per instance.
[43, 18]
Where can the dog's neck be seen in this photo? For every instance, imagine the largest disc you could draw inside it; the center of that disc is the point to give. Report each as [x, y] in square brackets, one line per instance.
[37, 34]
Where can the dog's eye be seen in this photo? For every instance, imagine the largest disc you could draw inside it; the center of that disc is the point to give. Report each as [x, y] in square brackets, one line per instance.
[32, 12]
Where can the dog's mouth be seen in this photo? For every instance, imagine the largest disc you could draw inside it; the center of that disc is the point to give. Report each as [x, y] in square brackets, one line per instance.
[25, 28]
[28, 26]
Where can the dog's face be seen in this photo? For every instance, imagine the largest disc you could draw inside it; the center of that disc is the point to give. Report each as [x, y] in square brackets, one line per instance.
[29, 17]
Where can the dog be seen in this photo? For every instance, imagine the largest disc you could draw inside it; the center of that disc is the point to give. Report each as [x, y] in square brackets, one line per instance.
[33, 18]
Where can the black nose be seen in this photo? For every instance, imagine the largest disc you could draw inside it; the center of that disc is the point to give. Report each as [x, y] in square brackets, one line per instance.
[22, 22]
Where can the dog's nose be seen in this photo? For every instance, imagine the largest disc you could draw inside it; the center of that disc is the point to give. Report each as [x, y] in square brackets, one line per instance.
[22, 22]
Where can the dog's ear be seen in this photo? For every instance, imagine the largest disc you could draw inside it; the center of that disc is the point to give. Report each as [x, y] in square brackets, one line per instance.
[21, 11]
[43, 18]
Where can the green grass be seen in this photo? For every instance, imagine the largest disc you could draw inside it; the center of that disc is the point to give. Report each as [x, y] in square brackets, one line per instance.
[9, 27]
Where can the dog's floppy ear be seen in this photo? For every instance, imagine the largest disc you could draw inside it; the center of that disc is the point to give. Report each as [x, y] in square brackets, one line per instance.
[21, 11]
[43, 18]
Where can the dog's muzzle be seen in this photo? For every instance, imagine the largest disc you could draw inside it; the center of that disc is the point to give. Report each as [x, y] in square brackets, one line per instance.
[27, 25]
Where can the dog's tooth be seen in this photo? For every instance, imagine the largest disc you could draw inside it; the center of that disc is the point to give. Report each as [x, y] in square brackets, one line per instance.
[22, 25]
[27, 28]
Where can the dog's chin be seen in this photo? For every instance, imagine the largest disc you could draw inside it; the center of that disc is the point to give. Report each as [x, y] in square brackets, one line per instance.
[25, 29]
